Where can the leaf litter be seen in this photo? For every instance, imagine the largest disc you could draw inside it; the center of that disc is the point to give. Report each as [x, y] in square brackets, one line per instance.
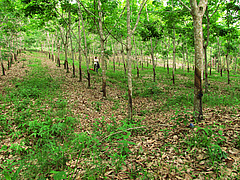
[160, 149]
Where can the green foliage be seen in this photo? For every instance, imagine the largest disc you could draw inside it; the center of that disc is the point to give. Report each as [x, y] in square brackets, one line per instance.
[149, 89]
[34, 86]
[209, 139]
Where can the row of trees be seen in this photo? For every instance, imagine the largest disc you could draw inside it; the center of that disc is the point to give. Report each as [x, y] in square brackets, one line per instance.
[128, 28]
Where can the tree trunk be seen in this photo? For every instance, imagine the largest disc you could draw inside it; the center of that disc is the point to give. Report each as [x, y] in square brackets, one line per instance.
[125, 69]
[174, 52]
[85, 46]
[227, 62]
[58, 59]
[235, 67]
[136, 58]
[210, 72]
[129, 48]
[52, 48]
[113, 57]
[167, 46]
[206, 69]
[3, 69]
[187, 59]
[153, 64]
[66, 58]
[102, 49]
[197, 14]
[219, 56]
[70, 36]
[183, 54]
[9, 64]
[142, 58]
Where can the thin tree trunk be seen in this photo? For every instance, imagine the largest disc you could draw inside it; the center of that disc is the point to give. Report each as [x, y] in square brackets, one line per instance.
[125, 69]
[66, 57]
[174, 52]
[183, 54]
[113, 57]
[142, 58]
[219, 56]
[235, 67]
[85, 46]
[210, 72]
[227, 62]
[206, 69]
[136, 58]
[167, 46]
[153, 64]
[58, 59]
[129, 48]
[187, 58]
[52, 49]
[9, 64]
[102, 49]
[3, 69]
[70, 37]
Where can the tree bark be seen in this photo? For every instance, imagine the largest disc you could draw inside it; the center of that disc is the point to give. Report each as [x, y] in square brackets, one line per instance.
[187, 58]
[206, 69]
[153, 63]
[85, 47]
[205, 45]
[197, 11]
[183, 54]
[128, 49]
[3, 69]
[102, 49]
[167, 46]
[52, 49]
[125, 69]
[70, 36]
[174, 53]
[136, 58]
[113, 57]
[219, 56]
[227, 62]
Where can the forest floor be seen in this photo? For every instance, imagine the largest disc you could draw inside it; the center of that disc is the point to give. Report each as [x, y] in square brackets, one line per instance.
[157, 144]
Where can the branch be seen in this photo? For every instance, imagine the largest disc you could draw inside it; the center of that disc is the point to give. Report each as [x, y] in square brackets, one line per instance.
[139, 13]
[214, 12]
[89, 12]
[70, 30]
[114, 37]
[114, 24]
[188, 8]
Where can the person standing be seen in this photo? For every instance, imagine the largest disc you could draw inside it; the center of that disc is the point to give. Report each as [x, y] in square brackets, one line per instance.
[96, 64]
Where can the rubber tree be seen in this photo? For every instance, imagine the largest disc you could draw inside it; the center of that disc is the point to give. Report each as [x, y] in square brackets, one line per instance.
[71, 39]
[3, 69]
[151, 34]
[130, 32]
[197, 11]
[100, 9]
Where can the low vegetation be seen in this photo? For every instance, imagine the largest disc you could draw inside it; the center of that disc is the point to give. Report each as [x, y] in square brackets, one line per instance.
[42, 137]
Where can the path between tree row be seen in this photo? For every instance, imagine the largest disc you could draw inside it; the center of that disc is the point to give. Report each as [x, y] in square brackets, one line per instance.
[84, 104]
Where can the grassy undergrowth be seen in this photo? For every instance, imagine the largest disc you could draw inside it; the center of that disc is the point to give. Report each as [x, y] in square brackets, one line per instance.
[37, 133]
[42, 139]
